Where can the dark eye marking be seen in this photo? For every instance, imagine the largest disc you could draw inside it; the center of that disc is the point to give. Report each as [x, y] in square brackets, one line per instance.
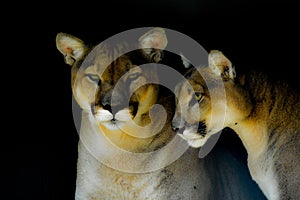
[134, 76]
[94, 77]
[128, 65]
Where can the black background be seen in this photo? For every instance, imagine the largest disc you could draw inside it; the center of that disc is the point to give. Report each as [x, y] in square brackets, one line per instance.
[41, 149]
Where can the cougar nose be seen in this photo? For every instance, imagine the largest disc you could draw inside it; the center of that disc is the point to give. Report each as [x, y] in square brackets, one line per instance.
[105, 100]
[175, 129]
[175, 126]
[112, 107]
[107, 107]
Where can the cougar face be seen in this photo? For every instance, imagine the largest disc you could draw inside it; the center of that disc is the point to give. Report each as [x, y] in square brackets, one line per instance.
[121, 92]
[198, 115]
[111, 83]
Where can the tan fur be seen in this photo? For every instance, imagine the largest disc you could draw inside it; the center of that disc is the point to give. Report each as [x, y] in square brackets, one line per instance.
[98, 181]
[84, 89]
[263, 113]
[186, 178]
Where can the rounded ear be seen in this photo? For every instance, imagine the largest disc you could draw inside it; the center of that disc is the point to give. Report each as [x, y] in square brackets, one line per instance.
[221, 65]
[71, 47]
[152, 43]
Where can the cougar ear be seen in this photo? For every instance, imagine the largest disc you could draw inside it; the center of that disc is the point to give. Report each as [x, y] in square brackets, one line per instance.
[221, 65]
[152, 43]
[71, 47]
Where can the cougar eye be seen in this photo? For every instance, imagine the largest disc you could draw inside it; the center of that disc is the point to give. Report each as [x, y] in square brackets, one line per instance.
[93, 77]
[128, 65]
[198, 96]
[134, 76]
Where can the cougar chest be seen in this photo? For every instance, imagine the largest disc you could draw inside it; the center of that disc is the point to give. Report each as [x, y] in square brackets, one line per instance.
[97, 181]
[263, 172]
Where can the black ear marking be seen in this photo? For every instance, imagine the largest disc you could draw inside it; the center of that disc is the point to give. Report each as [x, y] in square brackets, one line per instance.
[225, 74]
[157, 56]
[228, 73]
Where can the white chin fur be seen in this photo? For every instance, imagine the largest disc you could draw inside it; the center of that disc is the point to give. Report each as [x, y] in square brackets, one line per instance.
[197, 143]
[190, 134]
[123, 115]
[193, 139]
[103, 115]
[111, 126]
